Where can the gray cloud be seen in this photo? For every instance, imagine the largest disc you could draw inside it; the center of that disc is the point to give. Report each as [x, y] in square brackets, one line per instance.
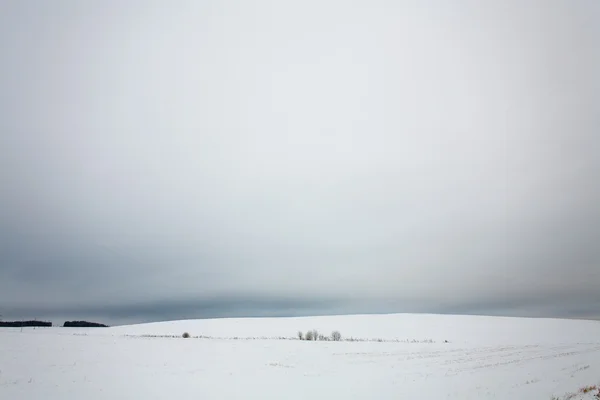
[228, 158]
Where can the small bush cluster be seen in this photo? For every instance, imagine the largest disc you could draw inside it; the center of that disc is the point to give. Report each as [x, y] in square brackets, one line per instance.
[185, 335]
[336, 336]
[314, 335]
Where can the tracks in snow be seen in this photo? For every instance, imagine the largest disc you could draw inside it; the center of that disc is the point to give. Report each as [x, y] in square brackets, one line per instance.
[457, 361]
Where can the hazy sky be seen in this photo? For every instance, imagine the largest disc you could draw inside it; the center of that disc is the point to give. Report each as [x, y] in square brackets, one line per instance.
[164, 160]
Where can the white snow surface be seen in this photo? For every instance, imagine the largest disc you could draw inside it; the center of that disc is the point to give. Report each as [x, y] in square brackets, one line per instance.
[405, 356]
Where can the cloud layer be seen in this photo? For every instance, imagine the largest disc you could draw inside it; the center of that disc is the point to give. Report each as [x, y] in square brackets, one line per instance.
[269, 158]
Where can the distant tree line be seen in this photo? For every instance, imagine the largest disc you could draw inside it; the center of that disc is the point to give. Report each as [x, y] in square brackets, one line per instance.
[22, 324]
[83, 324]
[36, 323]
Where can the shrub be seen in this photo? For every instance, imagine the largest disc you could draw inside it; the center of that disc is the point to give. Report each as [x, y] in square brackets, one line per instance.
[336, 336]
[300, 335]
[185, 335]
[315, 334]
[309, 335]
[323, 337]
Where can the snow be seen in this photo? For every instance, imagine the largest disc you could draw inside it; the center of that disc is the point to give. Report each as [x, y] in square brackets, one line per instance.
[405, 357]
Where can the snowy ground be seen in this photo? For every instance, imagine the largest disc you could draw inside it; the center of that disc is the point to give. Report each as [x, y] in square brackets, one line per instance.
[485, 357]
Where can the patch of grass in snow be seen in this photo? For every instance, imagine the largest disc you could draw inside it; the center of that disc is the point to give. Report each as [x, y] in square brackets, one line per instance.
[588, 389]
[593, 390]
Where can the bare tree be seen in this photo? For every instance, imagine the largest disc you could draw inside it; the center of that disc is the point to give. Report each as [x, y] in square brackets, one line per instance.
[336, 336]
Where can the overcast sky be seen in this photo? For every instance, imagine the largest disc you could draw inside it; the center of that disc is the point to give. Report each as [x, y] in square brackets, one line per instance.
[164, 160]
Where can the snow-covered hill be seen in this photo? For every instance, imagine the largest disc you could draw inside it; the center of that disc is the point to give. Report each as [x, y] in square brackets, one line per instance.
[455, 328]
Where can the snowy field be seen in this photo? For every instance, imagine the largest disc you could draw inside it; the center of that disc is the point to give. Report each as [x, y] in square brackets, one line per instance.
[403, 356]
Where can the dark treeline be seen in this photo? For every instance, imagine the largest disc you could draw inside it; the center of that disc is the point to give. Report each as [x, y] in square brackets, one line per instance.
[21, 324]
[35, 323]
[83, 324]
